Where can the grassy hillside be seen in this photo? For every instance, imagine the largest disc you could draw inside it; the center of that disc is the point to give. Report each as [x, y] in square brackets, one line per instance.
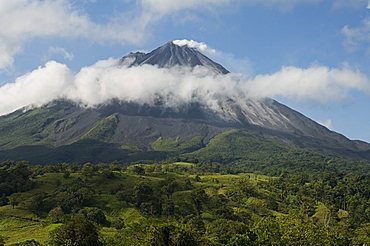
[241, 151]
[177, 145]
[104, 129]
[234, 145]
[28, 128]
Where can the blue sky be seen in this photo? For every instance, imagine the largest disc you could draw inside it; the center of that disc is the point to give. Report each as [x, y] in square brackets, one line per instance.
[262, 38]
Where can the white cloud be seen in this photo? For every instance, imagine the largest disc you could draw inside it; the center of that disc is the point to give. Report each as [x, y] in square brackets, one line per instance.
[202, 47]
[317, 84]
[350, 3]
[288, 4]
[59, 51]
[24, 20]
[327, 123]
[228, 60]
[170, 6]
[283, 4]
[356, 36]
[105, 80]
[38, 87]
[164, 7]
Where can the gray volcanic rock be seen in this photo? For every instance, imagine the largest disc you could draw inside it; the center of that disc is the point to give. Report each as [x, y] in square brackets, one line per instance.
[132, 58]
[270, 115]
[130, 124]
[170, 55]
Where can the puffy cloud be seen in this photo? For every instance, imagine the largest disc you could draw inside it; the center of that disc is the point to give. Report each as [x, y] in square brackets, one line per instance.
[318, 84]
[228, 60]
[35, 88]
[202, 47]
[105, 80]
[24, 20]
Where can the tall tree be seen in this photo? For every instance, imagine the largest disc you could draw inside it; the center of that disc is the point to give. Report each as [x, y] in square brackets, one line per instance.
[77, 232]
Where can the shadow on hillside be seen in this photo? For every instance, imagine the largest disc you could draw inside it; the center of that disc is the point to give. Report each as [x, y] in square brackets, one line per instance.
[79, 152]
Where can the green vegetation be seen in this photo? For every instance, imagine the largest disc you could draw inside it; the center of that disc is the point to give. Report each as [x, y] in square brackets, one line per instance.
[103, 129]
[63, 132]
[176, 145]
[180, 203]
[240, 151]
[33, 127]
[78, 231]
[234, 145]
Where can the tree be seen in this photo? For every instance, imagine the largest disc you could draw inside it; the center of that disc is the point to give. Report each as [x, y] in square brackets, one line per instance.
[66, 174]
[142, 193]
[56, 215]
[138, 170]
[77, 232]
[95, 215]
[169, 186]
[2, 240]
[169, 207]
[184, 236]
[199, 197]
[4, 200]
[31, 242]
[168, 235]
[75, 196]
[223, 230]
[14, 200]
[39, 203]
[161, 236]
[118, 223]
[87, 170]
[14, 177]
[268, 231]
[242, 239]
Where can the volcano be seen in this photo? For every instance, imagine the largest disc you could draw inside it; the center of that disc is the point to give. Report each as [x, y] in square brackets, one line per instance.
[244, 129]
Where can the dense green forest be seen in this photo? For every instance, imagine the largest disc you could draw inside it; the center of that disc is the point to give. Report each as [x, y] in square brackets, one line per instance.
[181, 203]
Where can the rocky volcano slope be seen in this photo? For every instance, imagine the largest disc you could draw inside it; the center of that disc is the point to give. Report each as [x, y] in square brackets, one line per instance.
[123, 129]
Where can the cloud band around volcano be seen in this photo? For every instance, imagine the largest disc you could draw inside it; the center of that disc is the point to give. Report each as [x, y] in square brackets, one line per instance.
[106, 80]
